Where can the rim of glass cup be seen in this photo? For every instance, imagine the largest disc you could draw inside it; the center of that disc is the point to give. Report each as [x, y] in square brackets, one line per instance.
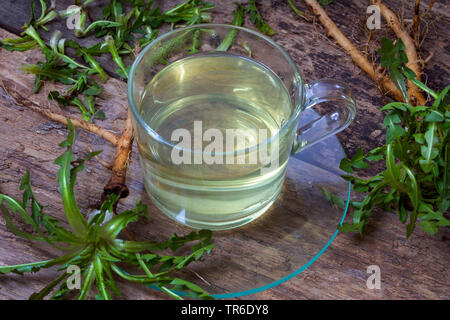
[154, 134]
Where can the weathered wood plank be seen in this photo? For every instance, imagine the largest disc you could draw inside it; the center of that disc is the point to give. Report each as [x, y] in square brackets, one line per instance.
[316, 56]
[414, 268]
[288, 221]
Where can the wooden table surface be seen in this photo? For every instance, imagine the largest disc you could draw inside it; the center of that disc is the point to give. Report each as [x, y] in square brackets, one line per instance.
[415, 268]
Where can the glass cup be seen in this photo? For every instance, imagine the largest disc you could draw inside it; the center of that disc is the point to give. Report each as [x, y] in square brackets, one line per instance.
[216, 111]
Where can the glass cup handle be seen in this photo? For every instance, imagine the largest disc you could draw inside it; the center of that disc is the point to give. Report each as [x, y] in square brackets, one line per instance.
[339, 117]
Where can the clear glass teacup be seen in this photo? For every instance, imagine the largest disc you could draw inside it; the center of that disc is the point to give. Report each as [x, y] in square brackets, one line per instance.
[216, 111]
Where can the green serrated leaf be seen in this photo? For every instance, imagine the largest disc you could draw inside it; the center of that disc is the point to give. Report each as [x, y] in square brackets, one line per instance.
[66, 180]
[394, 57]
[434, 116]
[429, 152]
[333, 199]
[395, 105]
[257, 19]
[113, 227]
[238, 20]
[346, 165]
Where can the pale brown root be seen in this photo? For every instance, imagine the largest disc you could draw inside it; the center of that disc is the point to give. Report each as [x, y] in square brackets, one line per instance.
[428, 59]
[361, 60]
[88, 126]
[413, 61]
[119, 168]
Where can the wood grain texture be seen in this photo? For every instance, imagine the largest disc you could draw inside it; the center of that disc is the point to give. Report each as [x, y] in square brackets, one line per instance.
[316, 55]
[415, 268]
[302, 191]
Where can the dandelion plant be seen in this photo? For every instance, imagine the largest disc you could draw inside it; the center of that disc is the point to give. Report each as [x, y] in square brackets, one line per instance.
[94, 245]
